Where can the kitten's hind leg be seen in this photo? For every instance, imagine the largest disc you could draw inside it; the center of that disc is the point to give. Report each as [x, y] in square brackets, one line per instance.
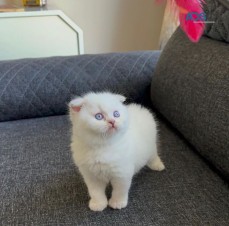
[156, 164]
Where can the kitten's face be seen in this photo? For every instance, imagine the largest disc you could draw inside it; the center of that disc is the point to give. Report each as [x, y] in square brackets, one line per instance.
[101, 113]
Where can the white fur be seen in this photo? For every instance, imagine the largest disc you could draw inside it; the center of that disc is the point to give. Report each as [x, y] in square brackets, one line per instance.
[106, 155]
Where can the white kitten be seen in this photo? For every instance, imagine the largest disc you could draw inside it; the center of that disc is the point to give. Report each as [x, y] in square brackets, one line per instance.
[110, 143]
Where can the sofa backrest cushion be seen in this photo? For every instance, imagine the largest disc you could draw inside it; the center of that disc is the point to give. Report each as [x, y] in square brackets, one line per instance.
[217, 26]
[190, 87]
[43, 87]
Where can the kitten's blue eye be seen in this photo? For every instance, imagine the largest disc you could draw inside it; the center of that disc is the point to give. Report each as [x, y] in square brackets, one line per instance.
[99, 116]
[116, 114]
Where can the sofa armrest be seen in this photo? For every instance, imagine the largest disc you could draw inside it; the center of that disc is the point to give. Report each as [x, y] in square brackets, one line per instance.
[43, 87]
[190, 87]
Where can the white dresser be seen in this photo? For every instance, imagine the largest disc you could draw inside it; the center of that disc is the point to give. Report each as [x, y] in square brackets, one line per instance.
[39, 34]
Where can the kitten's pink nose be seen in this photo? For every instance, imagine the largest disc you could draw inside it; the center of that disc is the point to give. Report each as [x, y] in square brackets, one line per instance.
[112, 122]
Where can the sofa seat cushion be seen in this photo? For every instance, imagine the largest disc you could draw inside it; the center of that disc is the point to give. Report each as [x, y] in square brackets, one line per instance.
[40, 184]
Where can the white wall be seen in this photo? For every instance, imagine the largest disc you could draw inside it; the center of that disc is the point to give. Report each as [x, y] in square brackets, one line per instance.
[114, 25]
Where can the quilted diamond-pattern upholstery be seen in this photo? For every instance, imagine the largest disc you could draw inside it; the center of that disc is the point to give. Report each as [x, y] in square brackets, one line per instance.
[218, 12]
[43, 87]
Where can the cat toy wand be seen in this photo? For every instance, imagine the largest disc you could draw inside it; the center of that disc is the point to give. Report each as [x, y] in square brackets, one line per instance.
[191, 17]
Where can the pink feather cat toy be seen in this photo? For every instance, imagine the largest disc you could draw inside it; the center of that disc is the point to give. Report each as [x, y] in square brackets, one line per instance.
[191, 17]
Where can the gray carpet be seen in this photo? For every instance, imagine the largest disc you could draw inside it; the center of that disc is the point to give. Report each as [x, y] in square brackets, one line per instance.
[41, 186]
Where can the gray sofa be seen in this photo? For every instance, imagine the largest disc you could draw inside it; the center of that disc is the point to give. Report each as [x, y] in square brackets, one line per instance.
[187, 88]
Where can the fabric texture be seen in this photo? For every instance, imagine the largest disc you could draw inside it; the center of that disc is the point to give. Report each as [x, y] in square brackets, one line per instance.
[190, 87]
[217, 12]
[40, 184]
[42, 87]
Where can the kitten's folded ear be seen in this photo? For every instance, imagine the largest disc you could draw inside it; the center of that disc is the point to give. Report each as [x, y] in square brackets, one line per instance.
[120, 97]
[76, 104]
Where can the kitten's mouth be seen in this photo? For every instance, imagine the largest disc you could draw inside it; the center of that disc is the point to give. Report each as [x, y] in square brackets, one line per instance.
[112, 129]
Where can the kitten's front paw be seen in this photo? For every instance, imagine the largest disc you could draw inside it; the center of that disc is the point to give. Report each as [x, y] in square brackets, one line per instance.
[97, 205]
[117, 203]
